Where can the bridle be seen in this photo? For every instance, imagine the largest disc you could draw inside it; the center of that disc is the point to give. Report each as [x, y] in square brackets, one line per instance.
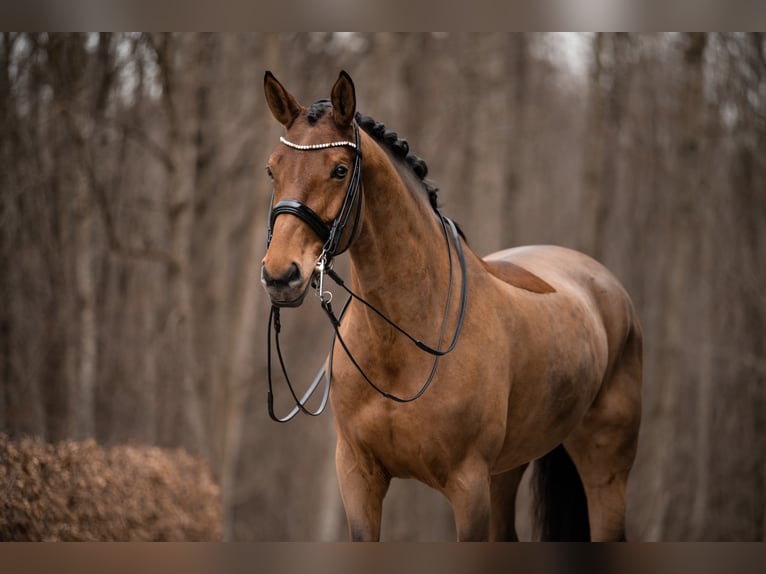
[331, 235]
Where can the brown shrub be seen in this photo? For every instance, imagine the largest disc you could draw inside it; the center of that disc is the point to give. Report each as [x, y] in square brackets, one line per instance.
[83, 491]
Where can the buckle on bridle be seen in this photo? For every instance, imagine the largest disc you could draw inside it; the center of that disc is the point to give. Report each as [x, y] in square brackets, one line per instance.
[322, 265]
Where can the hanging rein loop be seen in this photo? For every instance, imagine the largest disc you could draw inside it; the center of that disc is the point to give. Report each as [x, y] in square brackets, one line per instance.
[445, 222]
[331, 235]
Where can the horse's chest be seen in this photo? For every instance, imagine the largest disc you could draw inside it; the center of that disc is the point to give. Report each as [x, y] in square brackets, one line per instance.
[407, 442]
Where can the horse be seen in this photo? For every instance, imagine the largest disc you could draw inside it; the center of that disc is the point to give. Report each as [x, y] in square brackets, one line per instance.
[537, 350]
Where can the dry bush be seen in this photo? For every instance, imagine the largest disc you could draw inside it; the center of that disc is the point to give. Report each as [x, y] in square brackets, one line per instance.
[83, 491]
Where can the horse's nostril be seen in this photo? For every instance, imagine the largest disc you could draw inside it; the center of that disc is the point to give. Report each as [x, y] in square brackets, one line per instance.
[292, 275]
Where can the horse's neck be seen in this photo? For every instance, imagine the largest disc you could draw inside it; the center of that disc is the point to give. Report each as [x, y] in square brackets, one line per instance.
[399, 260]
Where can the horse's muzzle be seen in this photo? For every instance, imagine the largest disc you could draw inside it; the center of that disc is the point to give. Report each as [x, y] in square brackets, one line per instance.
[285, 290]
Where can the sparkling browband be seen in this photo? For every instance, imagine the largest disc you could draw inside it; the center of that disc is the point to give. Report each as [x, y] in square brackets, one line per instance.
[316, 146]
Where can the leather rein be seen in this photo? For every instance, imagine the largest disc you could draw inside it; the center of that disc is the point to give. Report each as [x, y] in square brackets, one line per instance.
[331, 235]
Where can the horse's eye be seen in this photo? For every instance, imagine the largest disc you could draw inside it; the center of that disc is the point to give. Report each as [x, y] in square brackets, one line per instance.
[340, 172]
[269, 172]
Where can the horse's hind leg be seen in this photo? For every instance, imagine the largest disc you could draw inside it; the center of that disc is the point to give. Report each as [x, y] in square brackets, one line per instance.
[503, 488]
[603, 446]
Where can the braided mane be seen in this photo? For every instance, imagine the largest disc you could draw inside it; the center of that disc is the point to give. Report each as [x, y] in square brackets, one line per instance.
[401, 150]
[397, 146]
[392, 142]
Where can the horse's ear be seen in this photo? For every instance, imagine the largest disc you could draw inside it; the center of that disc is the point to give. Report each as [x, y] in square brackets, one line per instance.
[282, 104]
[343, 100]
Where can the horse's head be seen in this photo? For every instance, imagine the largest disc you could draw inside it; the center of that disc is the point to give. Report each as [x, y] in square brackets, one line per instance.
[313, 173]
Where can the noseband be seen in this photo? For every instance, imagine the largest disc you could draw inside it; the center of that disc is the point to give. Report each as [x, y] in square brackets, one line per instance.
[330, 234]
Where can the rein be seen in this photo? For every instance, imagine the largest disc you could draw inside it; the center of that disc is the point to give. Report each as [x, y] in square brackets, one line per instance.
[331, 236]
[437, 352]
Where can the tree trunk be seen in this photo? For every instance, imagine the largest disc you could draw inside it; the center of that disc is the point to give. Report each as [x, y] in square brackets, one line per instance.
[517, 139]
[240, 361]
[608, 91]
[83, 404]
[180, 77]
[682, 379]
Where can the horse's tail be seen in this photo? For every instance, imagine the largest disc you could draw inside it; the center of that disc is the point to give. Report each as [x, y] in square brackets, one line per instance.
[561, 506]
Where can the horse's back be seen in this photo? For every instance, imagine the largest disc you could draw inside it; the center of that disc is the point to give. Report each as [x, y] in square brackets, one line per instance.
[557, 265]
[577, 278]
[570, 273]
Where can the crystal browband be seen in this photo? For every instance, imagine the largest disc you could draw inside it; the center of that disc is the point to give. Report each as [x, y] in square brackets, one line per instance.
[316, 146]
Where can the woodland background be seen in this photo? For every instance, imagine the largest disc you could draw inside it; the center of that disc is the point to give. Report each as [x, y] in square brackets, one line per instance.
[133, 201]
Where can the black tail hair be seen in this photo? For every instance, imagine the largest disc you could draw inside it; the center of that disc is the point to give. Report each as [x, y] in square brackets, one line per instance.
[561, 506]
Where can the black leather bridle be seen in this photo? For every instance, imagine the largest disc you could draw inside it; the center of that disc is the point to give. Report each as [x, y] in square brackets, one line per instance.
[331, 235]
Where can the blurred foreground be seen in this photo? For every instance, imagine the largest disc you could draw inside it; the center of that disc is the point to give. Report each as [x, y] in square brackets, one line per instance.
[78, 491]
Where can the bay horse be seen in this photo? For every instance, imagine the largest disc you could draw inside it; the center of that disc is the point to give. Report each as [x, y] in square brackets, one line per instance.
[545, 357]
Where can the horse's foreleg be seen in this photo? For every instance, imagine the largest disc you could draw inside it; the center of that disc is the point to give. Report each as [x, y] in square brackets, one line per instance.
[468, 491]
[363, 484]
[503, 488]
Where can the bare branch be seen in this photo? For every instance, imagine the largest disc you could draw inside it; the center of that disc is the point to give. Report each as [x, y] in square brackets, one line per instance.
[136, 133]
